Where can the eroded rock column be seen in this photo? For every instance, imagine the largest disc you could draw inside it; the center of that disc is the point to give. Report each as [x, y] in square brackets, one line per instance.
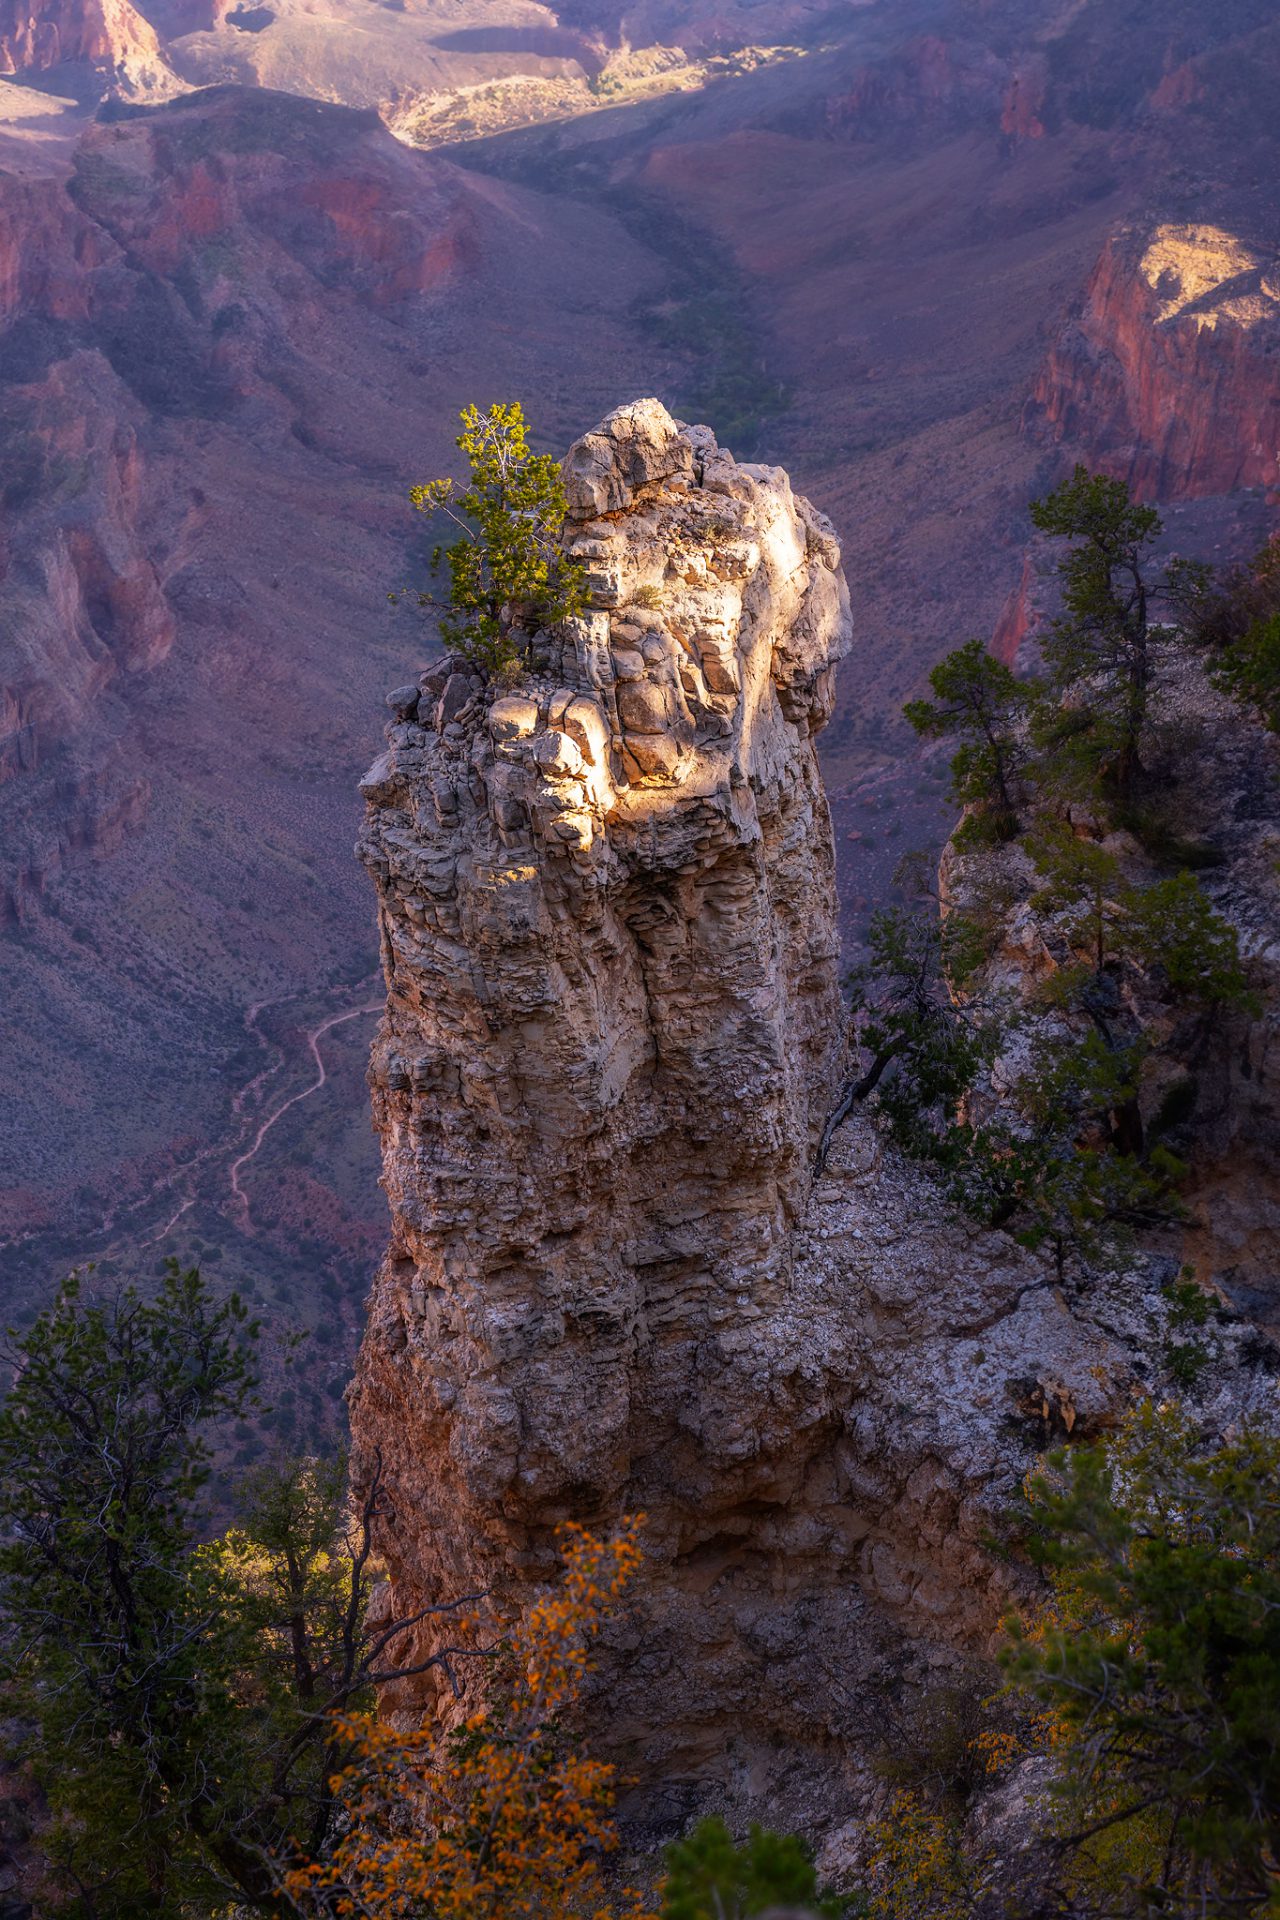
[612, 1036]
[613, 1025]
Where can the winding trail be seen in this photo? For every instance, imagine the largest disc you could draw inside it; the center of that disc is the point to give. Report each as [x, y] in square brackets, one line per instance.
[163, 1232]
[239, 1197]
[187, 1180]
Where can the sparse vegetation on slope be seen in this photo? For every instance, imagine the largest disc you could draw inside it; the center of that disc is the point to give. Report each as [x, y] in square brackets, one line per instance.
[1037, 1104]
[1142, 1747]
[1235, 617]
[1158, 1662]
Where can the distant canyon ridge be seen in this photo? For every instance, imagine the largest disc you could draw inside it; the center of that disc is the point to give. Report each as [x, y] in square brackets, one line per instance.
[253, 260]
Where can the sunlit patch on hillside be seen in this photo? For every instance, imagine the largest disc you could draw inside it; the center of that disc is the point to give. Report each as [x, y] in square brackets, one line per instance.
[1207, 275]
[525, 99]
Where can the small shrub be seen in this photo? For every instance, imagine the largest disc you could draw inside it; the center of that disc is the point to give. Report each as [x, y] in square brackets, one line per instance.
[1185, 1362]
[508, 575]
[1189, 1304]
[935, 1749]
[710, 1877]
[1250, 670]
[918, 1866]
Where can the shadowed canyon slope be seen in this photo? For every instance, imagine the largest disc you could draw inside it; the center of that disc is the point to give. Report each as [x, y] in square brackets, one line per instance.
[235, 325]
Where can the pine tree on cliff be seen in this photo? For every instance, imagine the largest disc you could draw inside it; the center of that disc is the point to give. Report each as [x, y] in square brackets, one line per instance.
[508, 576]
[1234, 615]
[1156, 1667]
[978, 699]
[1099, 651]
[179, 1701]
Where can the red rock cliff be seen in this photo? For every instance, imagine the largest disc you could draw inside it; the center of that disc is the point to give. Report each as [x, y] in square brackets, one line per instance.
[109, 36]
[1171, 375]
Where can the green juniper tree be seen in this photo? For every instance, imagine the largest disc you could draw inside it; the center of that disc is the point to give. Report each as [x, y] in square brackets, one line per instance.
[1062, 1157]
[712, 1877]
[1234, 615]
[1082, 885]
[978, 700]
[182, 1695]
[1145, 1687]
[107, 1646]
[926, 1046]
[508, 576]
[1159, 1663]
[1250, 669]
[1174, 927]
[1099, 652]
[1169, 928]
[1217, 607]
[1064, 1163]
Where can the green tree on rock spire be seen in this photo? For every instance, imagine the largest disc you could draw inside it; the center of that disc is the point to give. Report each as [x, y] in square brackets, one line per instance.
[507, 574]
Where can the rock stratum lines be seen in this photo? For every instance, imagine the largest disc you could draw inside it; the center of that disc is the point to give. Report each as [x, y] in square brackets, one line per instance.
[612, 1035]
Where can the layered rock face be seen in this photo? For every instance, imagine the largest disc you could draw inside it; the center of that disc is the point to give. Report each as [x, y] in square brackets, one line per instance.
[612, 1035]
[1171, 376]
[109, 38]
[613, 1020]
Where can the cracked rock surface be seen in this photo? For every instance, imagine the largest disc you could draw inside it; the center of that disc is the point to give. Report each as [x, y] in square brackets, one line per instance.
[613, 1033]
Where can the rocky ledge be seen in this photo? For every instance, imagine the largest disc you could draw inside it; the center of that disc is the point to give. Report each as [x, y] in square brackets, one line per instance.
[613, 1032]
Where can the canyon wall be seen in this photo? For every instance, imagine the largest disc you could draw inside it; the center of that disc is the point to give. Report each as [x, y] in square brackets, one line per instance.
[612, 1036]
[171, 283]
[81, 602]
[106, 39]
[613, 1022]
[1170, 378]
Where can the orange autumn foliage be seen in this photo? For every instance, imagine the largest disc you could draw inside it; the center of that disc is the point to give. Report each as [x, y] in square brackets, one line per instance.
[501, 1822]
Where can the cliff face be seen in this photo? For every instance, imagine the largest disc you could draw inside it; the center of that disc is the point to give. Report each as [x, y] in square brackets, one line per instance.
[612, 1033]
[81, 603]
[1171, 376]
[932, 79]
[108, 38]
[613, 1019]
